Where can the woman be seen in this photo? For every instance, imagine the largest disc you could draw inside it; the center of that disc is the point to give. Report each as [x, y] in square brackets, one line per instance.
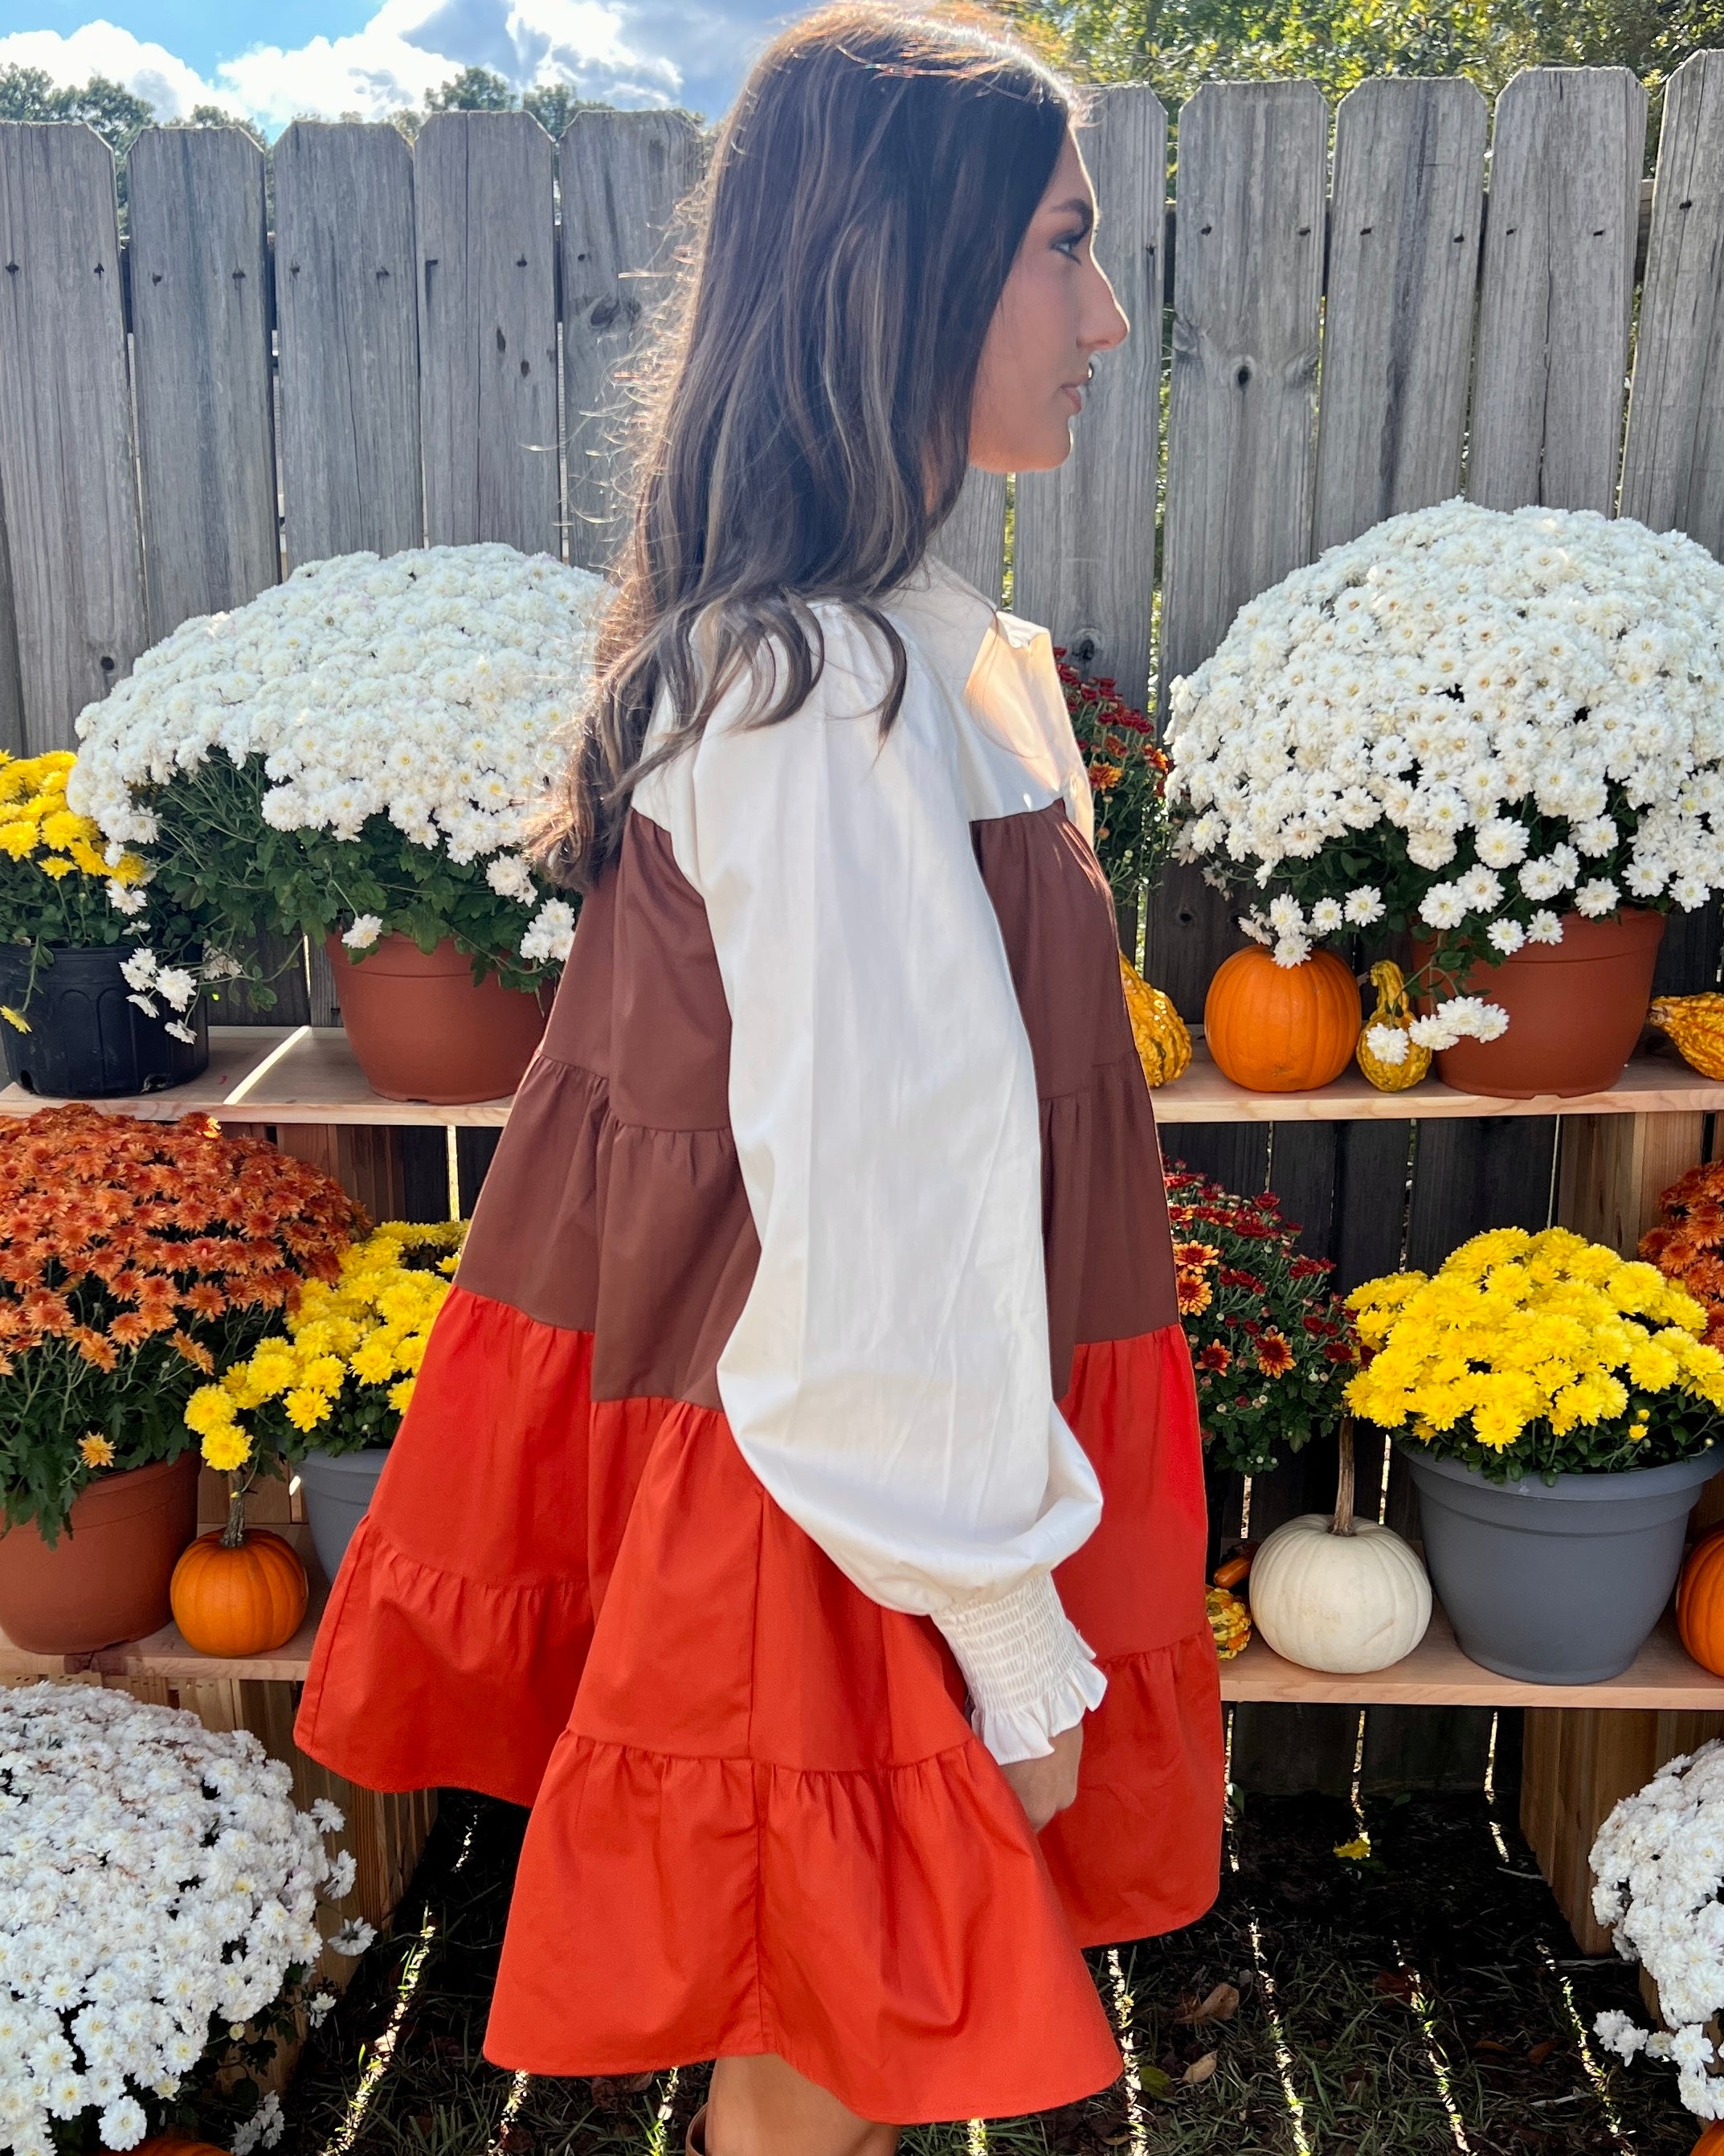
[734, 1476]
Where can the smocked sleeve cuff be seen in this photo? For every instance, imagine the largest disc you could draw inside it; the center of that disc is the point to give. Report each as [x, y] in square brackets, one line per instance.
[1030, 1672]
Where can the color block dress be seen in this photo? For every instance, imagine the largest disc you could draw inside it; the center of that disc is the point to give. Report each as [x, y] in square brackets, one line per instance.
[809, 1428]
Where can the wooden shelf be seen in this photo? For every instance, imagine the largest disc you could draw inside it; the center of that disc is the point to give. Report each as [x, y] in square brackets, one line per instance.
[1435, 1674]
[1662, 1677]
[1651, 1085]
[166, 1654]
[269, 1074]
[307, 1074]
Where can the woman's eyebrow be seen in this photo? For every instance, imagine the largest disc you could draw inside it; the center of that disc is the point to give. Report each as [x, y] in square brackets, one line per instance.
[1076, 203]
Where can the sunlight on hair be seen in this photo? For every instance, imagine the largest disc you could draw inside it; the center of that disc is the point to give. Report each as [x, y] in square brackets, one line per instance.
[378, 2064]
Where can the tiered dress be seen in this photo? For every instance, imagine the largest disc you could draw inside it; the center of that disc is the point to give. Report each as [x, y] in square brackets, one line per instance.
[733, 1526]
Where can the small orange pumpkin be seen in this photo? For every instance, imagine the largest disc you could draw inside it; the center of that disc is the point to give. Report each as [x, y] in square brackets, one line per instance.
[1700, 1602]
[238, 1590]
[1282, 1029]
[1709, 2143]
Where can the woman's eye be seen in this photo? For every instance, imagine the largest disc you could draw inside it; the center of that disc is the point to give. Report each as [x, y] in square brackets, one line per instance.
[1072, 239]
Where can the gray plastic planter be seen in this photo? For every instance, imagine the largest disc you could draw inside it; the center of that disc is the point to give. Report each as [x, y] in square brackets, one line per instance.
[337, 1487]
[1560, 1583]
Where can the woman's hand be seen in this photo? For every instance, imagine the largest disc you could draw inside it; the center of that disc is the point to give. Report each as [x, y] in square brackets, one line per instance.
[1047, 1785]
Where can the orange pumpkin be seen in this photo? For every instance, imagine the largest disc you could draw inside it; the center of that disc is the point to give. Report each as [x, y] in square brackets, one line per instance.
[237, 1592]
[1700, 1602]
[1282, 1029]
[1709, 2143]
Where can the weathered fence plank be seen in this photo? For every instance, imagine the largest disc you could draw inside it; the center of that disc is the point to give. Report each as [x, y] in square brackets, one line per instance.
[12, 694]
[349, 333]
[624, 176]
[1673, 466]
[1397, 321]
[1557, 289]
[1084, 547]
[1241, 418]
[482, 187]
[66, 470]
[972, 539]
[200, 322]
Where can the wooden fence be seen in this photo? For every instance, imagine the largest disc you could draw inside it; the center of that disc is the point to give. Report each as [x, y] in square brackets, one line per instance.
[428, 349]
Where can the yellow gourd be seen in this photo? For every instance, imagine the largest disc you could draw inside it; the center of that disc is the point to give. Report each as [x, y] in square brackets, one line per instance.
[1697, 1025]
[1229, 1621]
[1163, 1045]
[1392, 1009]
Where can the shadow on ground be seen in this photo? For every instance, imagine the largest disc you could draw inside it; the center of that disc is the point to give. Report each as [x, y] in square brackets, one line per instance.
[1427, 1999]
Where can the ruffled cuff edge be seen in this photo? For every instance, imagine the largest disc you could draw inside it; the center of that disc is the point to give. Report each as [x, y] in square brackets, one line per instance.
[1030, 1672]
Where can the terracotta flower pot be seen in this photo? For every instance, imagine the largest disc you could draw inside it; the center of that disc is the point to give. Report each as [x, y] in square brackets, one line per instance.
[423, 1032]
[105, 1580]
[1575, 1009]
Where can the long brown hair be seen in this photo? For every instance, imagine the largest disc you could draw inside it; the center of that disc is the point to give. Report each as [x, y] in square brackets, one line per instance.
[802, 423]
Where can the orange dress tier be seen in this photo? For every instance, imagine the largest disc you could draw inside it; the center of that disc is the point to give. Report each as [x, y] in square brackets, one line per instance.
[761, 1819]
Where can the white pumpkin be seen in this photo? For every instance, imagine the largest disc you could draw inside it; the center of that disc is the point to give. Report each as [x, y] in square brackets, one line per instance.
[1339, 1594]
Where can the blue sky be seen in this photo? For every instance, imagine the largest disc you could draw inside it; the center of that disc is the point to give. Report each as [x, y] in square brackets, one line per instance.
[271, 61]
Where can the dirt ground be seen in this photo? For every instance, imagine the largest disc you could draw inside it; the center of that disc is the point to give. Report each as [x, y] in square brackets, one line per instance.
[1427, 1997]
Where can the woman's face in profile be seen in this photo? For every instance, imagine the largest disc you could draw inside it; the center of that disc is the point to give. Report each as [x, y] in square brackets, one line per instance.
[1057, 310]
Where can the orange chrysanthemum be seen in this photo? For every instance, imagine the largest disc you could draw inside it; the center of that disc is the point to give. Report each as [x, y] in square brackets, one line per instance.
[1684, 1244]
[1274, 1357]
[121, 1230]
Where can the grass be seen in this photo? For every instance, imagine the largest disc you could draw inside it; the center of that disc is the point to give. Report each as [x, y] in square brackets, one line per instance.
[1429, 1999]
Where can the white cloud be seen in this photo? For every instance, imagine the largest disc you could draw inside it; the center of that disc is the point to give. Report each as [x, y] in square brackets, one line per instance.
[147, 70]
[413, 46]
[631, 52]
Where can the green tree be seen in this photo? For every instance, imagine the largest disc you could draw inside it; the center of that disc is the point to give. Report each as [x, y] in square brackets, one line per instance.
[553, 104]
[1176, 44]
[27, 93]
[217, 115]
[474, 90]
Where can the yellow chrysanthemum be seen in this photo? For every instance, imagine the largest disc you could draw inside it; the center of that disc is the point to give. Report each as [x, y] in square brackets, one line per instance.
[1516, 1328]
[373, 1363]
[209, 1408]
[306, 1409]
[227, 1451]
[61, 829]
[94, 1449]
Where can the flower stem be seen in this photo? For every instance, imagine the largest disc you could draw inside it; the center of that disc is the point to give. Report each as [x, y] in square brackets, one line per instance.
[1344, 1485]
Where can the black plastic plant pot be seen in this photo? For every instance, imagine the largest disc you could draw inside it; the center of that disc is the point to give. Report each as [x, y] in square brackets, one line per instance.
[87, 1041]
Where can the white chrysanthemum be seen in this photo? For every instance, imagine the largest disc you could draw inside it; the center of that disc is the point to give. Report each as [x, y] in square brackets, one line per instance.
[1388, 1044]
[552, 932]
[428, 687]
[1436, 694]
[152, 1872]
[1659, 1864]
[365, 931]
